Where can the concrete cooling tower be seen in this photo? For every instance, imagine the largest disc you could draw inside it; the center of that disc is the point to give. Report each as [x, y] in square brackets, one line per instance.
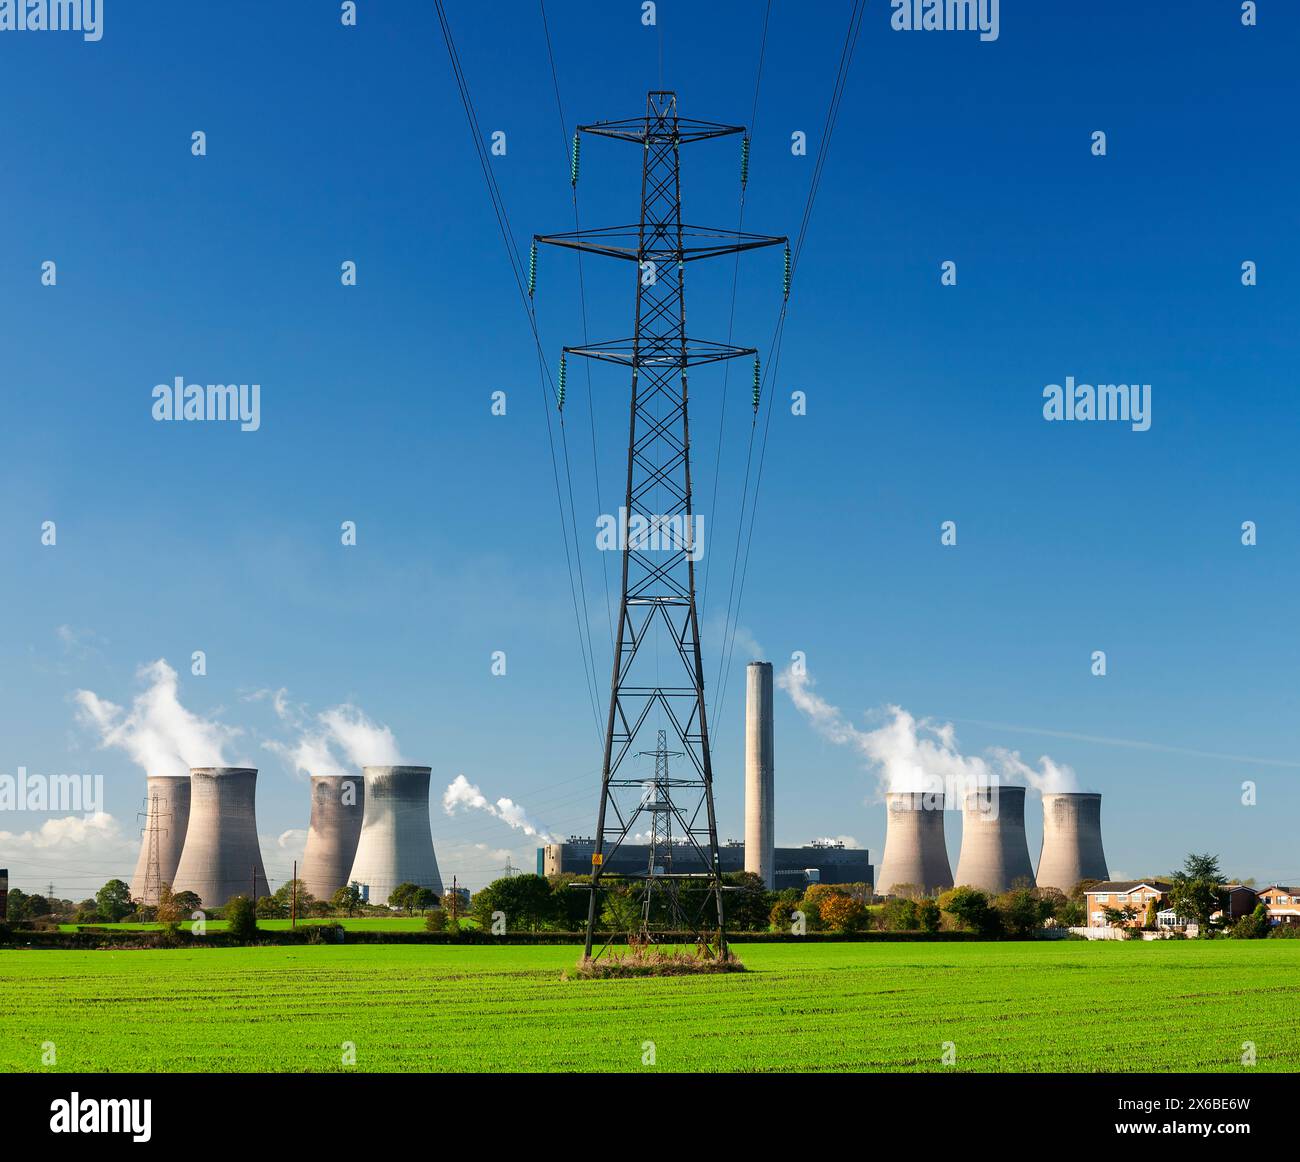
[760, 839]
[337, 804]
[1071, 841]
[994, 851]
[914, 847]
[396, 844]
[222, 857]
[167, 815]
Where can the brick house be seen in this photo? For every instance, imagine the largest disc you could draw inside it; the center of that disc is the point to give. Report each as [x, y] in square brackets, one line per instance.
[1123, 895]
[1241, 902]
[1283, 904]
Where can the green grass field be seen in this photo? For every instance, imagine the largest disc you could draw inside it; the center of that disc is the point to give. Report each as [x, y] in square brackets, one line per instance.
[1062, 1005]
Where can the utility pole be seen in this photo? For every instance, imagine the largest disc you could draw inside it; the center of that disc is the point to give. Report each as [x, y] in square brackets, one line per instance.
[455, 898]
[293, 909]
[658, 672]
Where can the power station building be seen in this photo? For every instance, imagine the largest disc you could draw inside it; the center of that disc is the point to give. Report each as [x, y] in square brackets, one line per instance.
[793, 867]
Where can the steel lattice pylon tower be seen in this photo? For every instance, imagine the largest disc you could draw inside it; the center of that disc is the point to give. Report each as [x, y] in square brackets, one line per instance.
[153, 870]
[657, 662]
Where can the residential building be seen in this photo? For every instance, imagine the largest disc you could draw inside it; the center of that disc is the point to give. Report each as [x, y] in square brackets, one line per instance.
[1129, 896]
[1282, 902]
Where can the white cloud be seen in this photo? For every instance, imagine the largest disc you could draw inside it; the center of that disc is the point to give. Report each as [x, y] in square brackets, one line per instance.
[158, 733]
[78, 852]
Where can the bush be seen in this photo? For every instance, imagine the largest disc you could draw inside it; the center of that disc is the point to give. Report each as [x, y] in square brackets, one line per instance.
[640, 960]
[1285, 932]
[1252, 927]
[325, 934]
[435, 921]
[1022, 911]
[929, 915]
[269, 908]
[782, 913]
[241, 919]
[900, 915]
[842, 913]
[1071, 914]
[971, 909]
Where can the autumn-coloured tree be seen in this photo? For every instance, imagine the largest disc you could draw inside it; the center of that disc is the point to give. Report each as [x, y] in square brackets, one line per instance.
[840, 913]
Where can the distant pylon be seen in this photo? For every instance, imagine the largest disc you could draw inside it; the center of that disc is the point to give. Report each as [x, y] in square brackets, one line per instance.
[658, 799]
[153, 868]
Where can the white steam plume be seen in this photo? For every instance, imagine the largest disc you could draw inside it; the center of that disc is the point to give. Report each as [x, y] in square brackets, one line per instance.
[1049, 778]
[461, 792]
[335, 742]
[911, 754]
[157, 732]
[364, 742]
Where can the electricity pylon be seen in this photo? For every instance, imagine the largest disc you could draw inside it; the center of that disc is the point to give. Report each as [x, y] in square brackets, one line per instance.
[657, 661]
[152, 887]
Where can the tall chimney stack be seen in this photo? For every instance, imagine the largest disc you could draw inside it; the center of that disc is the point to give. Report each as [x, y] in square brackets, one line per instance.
[222, 857]
[994, 851]
[760, 787]
[167, 817]
[1072, 848]
[337, 806]
[914, 846]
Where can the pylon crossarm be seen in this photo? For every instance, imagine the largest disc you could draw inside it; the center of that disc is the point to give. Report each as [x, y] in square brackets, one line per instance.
[663, 129]
[661, 353]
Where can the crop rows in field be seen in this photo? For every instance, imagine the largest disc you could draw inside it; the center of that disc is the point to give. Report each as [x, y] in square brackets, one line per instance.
[1068, 1006]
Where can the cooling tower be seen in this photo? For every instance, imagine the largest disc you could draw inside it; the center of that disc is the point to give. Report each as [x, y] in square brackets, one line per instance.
[994, 851]
[1071, 841]
[167, 815]
[760, 842]
[222, 857]
[914, 848]
[396, 845]
[337, 803]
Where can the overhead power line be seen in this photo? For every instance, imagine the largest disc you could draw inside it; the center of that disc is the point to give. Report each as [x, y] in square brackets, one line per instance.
[519, 273]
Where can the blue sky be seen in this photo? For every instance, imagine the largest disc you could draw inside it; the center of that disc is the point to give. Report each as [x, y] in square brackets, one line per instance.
[328, 144]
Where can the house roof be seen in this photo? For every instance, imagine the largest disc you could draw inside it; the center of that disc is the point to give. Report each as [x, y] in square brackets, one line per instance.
[1109, 886]
[1278, 888]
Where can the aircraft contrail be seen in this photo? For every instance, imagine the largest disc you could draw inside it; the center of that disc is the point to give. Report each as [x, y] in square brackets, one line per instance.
[1135, 743]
